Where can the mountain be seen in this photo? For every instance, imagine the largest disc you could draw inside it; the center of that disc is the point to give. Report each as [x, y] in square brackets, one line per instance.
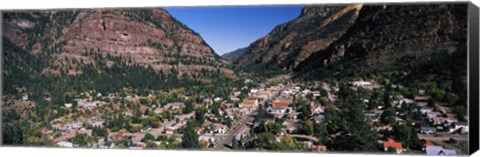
[290, 43]
[70, 51]
[394, 37]
[231, 56]
[147, 37]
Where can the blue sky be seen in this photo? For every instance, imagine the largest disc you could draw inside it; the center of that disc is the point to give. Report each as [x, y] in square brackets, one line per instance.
[227, 28]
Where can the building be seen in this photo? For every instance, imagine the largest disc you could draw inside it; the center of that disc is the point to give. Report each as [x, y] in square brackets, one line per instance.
[315, 93]
[25, 97]
[439, 121]
[248, 104]
[432, 115]
[390, 143]
[424, 144]
[361, 83]
[424, 110]
[169, 130]
[437, 150]
[106, 144]
[460, 126]
[68, 105]
[146, 128]
[318, 148]
[428, 130]
[219, 128]
[317, 109]
[280, 106]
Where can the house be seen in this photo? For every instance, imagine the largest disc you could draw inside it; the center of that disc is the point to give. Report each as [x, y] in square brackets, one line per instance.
[424, 110]
[318, 119]
[315, 93]
[206, 138]
[158, 110]
[431, 115]
[280, 106]
[384, 127]
[460, 126]
[317, 108]
[175, 105]
[217, 99]
[106, 144]
[219, 128]
[146, 128]
[65, 144]
[65, 137]
[422, 100]
[361, 83]
[199, 130]
[117, 136]
[68, 105]
[438, 150]
[439, 121]
[424, 144]
[170, 130]
[25, 97]
[136, 138]
[225, 105]
[428, 130]
[289, 127]
[96, 122]
[318, 148]
[392, 143]
[248, 104]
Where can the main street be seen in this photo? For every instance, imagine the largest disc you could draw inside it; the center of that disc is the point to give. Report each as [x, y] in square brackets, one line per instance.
[237, 129]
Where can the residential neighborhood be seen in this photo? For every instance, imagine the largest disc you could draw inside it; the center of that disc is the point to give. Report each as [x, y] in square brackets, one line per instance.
[297, 113]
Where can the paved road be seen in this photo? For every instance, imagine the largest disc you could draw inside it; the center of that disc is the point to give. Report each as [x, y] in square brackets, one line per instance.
[444, 138]
[158, 131]
[326, 87]
[227, 139]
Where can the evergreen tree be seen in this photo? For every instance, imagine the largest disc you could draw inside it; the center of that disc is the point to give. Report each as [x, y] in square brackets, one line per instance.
[234, 143]
[190, 137]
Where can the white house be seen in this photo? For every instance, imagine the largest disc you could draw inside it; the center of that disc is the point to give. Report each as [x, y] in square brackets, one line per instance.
[462, 126]
[361, 83]
[68, 105]
[25, 97]
[425, 110]
[219, 128]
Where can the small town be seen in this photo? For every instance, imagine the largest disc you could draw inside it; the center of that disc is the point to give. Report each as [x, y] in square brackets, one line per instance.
[349, 78]
[255, 116]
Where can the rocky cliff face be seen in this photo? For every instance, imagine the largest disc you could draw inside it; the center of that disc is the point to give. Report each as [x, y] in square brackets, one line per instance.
[290, 43]
[393, 37]
[150, 38]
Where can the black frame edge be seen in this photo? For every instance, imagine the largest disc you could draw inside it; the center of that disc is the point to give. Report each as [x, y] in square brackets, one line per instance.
[473, 93]
[1, 77]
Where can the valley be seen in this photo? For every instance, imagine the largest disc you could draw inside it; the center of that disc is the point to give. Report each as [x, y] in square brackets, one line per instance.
[392, 78]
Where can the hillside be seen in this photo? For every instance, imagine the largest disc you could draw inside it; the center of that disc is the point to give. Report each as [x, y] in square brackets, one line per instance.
[290, 43]
[149, 37]
[231, 56]
[59, 52]
[423, 46]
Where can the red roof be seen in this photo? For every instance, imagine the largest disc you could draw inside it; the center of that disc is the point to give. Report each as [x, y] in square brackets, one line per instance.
[391, 143]
[424, 143]
[280, 104]
[252, 97]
